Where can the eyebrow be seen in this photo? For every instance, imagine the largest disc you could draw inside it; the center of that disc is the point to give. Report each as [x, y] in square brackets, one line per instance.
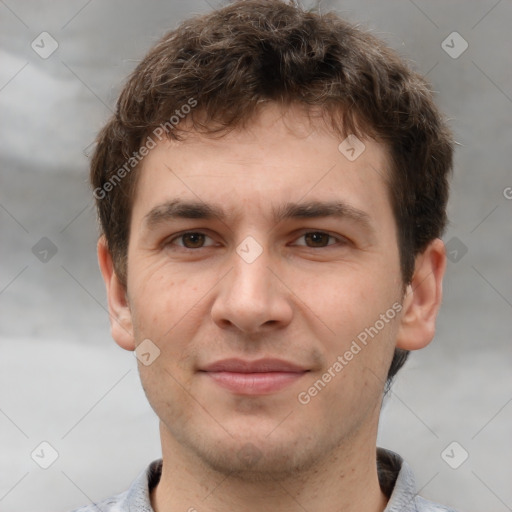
[178, 208]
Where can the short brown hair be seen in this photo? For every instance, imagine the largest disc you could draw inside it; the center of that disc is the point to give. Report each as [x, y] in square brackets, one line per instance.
[228, 61]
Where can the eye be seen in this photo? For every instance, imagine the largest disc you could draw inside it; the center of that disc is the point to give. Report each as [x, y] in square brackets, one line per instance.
[190, 240]
[318, 239]
[197, 240]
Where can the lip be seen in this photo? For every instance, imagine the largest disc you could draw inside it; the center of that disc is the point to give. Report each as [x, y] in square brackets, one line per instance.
[258, 366]
[259, 377]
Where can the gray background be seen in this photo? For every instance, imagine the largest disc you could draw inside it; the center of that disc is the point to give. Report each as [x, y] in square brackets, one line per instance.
[64, 381]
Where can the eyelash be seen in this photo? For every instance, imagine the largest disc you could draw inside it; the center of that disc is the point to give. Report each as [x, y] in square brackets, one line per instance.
[341, 240]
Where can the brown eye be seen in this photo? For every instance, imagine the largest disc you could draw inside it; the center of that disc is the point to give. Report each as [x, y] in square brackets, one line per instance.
[317, 239]
[193, 240]
[190, 240]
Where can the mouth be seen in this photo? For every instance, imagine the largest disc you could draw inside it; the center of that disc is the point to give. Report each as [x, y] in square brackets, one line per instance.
[260, 377]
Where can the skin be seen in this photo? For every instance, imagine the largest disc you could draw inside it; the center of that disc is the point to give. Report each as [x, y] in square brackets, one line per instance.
[303, 300]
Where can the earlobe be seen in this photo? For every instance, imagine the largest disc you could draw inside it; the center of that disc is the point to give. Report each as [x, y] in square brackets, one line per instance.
[423, 298]
[119, 310]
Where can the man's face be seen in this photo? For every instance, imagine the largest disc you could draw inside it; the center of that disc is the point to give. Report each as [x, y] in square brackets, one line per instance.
[257, 286]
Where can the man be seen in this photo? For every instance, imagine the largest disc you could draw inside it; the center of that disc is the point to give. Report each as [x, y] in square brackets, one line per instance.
[271, 191]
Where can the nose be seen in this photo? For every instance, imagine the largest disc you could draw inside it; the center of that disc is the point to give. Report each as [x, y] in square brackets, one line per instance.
[252, 297]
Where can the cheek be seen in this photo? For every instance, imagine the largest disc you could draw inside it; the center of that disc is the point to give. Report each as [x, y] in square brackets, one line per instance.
[360, 315]
[157, 302]
[344, 302]
[165, 388]
[168, 309]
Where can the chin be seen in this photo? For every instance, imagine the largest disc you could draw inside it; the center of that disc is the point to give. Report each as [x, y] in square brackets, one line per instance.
[258, 460]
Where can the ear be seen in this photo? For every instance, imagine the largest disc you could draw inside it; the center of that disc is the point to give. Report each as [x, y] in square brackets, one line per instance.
[423, 298]
[121, 326]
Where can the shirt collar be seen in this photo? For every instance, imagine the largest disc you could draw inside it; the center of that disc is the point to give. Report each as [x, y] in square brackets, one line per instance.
[397, 481]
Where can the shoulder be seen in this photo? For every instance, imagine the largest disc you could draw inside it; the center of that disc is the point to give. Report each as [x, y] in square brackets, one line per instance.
[136, 498]
[423, 505]
[397, 482]
[112, 504]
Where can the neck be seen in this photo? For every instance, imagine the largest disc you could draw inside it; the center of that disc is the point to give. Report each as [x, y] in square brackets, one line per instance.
[345, 480]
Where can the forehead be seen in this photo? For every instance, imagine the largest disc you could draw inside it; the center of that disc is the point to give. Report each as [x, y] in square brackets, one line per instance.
[280, 157]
